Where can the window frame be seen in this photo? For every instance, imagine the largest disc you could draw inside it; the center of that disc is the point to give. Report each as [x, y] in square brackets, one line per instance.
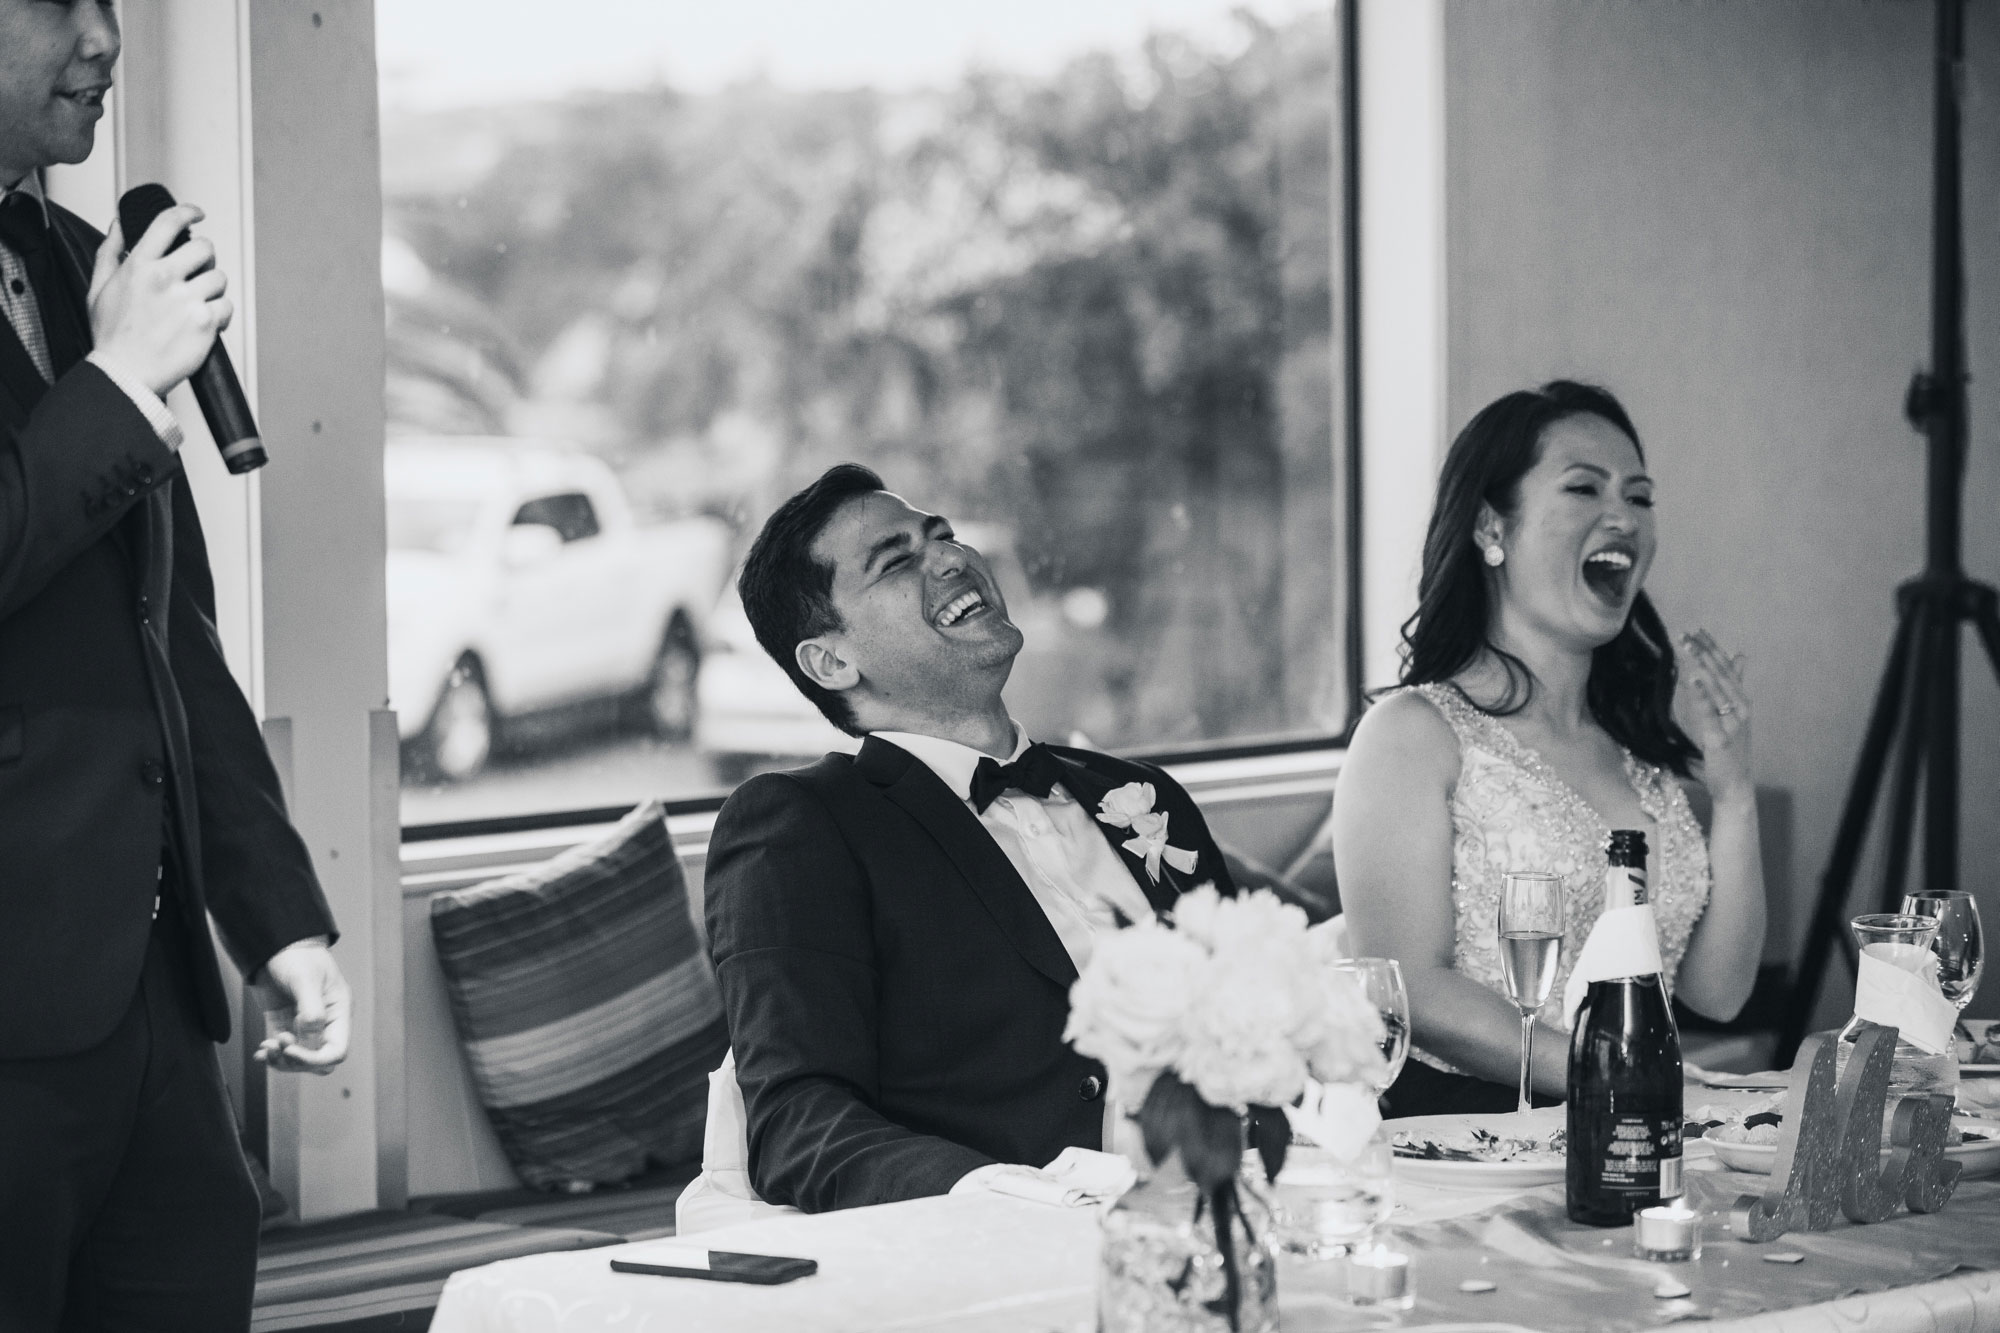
[1347, 472]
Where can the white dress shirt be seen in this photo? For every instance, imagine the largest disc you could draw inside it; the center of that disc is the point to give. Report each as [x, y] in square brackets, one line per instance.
[23, 311]
[1066, 861]
[1054, 842]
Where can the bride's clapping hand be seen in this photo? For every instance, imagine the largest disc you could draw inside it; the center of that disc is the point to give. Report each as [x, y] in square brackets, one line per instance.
[1716, 710]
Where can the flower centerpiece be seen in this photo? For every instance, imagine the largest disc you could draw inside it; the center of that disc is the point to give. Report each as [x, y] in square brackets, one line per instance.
[1213, 1024]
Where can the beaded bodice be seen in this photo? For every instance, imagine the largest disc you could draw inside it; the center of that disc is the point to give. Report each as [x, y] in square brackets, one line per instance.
[1511, 811]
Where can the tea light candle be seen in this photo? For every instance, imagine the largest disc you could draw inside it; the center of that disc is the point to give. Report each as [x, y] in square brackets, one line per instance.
[1380, 1278]
[1668, 1233]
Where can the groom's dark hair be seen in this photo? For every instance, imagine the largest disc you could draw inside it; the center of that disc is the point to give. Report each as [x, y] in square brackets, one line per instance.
[787, 594]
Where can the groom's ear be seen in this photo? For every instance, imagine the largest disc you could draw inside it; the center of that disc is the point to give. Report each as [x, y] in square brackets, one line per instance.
[821, 660]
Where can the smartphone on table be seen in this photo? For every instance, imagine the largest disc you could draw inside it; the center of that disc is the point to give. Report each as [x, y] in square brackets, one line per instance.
[764, 1270]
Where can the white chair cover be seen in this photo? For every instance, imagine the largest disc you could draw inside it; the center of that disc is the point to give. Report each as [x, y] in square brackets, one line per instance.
[722, 1194]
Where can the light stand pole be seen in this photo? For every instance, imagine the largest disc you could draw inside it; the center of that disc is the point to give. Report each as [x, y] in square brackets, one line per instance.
[1916, 712]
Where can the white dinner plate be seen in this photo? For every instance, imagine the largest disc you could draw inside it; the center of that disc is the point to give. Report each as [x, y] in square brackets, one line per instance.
[1976, 1158]
[1539, 1123]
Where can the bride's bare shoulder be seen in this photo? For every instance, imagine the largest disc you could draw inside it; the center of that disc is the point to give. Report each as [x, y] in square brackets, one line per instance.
[1405, 733]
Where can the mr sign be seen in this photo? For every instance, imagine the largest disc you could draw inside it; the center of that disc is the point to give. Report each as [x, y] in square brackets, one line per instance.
[1829, 1152]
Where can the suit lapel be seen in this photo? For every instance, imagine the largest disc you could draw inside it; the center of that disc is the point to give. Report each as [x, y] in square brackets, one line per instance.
[18, 377]
[922, 795]
[1090, 791]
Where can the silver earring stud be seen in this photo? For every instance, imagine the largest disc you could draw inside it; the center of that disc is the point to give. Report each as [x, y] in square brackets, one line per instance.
[1494, 556]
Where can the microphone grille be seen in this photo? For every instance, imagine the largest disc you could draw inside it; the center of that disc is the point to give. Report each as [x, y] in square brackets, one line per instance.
[139, 206]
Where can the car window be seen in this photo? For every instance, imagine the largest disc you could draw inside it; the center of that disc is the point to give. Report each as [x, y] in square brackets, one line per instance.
[571, 515]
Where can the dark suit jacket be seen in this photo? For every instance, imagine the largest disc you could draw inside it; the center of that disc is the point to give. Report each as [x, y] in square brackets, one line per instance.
[118, 716]
[895, 995]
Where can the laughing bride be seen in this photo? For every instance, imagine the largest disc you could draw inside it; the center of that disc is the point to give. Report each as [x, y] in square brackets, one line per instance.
[1536, 714]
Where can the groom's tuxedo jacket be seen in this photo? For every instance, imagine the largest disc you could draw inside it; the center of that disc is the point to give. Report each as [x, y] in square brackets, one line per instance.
[121, 729]
[895, 995]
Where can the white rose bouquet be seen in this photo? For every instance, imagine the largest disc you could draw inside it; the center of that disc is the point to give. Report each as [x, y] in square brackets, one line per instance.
[1221, 1014]
[1227, 1014]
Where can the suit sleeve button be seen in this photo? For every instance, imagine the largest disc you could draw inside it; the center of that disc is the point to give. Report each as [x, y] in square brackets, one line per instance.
[1091, 1088]
[153, 773]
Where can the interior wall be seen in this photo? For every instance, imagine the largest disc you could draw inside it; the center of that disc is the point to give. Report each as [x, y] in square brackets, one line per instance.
[1722, 211]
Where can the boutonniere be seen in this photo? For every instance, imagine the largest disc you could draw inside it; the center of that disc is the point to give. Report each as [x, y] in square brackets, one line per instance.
[1131, 807]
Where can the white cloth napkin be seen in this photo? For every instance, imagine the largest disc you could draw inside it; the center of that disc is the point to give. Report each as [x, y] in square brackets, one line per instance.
[1625, 942]
[1077, 1177]
[1897, 986]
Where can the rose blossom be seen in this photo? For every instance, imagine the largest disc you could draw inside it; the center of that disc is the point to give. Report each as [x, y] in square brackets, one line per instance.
[1128, 803]
[1129, 1007]
[1238, 1049]
[1194, 914]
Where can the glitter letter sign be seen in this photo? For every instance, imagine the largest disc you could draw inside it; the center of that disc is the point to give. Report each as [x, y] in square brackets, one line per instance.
[1829, 1158]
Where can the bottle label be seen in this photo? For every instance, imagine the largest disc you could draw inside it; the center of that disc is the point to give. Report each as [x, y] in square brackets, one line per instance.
[1624, 886]
[1642, 1155]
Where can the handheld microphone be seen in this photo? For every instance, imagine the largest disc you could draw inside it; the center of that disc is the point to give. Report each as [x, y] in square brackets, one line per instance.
[214, 381]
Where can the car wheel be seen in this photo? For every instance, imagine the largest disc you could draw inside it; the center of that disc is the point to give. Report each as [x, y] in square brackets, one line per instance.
[459, 740]
[670, 703]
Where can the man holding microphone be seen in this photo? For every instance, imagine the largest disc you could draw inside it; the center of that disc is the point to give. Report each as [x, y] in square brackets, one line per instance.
[136, 798]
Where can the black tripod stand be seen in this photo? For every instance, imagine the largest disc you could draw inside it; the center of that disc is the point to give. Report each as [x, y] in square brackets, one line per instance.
[1916, 708]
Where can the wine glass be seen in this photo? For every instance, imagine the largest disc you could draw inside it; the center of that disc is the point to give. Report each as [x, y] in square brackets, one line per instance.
[1531, 940]
[1381, 981]
[1327, 1206]
[1959, 944]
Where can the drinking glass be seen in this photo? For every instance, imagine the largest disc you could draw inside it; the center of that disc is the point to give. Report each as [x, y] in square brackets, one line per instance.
[1904, 941]
[1960, 943]
[1531, 939]
[1381, 980]
[1326, 1207]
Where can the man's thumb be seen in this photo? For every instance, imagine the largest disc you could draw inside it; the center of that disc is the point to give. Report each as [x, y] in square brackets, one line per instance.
[309, 1010]
[109, 255]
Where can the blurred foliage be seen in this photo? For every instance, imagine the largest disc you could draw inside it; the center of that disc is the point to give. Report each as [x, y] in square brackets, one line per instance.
[1096, 307]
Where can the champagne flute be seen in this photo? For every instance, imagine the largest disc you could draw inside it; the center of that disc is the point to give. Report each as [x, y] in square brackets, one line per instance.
[1381, 981]
[1531, 940]
[1960, 943]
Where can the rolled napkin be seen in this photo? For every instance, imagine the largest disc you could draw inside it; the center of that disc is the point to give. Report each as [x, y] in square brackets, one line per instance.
[1078, 1176]
[1340, 1118]
[1897, 986]
[1625, 942]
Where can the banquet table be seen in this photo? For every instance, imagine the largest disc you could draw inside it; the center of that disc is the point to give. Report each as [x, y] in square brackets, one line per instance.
[986, 1263]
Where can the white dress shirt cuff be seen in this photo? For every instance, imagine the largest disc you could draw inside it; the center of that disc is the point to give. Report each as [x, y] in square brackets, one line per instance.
[156, 412]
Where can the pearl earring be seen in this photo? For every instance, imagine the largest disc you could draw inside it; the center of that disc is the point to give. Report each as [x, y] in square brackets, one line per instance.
[1494, 555]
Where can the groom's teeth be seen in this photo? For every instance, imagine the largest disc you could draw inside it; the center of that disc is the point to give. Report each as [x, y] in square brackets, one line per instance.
[959, 608]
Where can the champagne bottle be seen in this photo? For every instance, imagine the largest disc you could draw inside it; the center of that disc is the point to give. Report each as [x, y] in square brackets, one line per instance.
[1624, 1077]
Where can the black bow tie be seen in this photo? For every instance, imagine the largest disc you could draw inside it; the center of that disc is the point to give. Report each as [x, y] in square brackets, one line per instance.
[24, 229]
[1036, 772]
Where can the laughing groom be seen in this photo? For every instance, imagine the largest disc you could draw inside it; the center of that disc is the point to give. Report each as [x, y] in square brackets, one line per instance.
[896, 932]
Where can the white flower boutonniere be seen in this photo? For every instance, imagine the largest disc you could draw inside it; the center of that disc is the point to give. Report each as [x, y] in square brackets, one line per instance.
[1131, 807]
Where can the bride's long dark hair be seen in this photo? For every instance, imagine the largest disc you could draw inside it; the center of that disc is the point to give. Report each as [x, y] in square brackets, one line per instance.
[1631, 686]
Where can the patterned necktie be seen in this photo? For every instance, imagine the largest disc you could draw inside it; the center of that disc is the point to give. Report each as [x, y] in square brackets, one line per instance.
[1036, 772]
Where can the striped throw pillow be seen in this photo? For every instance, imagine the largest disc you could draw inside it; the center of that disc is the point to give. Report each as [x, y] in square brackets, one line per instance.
[586, 1007]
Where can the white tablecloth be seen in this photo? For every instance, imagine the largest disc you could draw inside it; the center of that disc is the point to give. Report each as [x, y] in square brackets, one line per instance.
[982, 1264]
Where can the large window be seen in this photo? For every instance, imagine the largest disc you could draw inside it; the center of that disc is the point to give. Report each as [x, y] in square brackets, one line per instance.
[1065, 272]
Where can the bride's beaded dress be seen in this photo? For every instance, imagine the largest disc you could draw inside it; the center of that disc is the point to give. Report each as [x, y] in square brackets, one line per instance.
[1510, 811]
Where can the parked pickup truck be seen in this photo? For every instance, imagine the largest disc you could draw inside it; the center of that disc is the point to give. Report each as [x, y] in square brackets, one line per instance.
[520, 582]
